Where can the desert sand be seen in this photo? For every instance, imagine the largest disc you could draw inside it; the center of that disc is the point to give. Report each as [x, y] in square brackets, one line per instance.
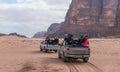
[23, 55]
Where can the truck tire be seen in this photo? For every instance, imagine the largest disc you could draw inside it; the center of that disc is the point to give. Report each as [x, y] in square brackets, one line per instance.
[64, 59]
[59, 55]
[41, 48]
[85, 59]
[46, 50]
[55, 51]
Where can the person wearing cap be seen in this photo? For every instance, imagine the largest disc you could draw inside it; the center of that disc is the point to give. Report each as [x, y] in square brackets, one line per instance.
[56, 40]
[47, 40]
[81, 40]
[68, 39]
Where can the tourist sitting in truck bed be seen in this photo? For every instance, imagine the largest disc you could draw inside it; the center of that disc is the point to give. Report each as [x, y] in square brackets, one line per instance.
[81, 40]
[68, 39]
[56, 40]
[86, 42]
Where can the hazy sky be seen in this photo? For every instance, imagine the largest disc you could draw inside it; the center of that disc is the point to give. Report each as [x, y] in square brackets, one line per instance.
[30, 16]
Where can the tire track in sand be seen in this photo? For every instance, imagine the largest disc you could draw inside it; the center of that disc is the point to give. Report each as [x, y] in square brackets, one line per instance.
[78, 66]
[72, 67]
[64, 65]
[95, 67]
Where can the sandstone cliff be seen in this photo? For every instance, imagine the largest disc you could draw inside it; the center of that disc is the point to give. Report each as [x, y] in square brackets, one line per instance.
[51, 30]
[39, 34]
[97, 18]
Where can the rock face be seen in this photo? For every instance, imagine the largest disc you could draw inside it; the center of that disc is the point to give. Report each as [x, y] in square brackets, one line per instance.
[53, 29]
[92, 17]
[39, 34]
[118, 15]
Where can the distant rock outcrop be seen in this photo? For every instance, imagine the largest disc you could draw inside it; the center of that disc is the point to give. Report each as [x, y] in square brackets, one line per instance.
[39, 34]
[13, 34]
[18, 35]
[96, 18]
[1, 34]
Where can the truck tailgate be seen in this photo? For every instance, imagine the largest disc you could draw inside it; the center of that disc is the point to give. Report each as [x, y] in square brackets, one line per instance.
[52, 47]
[78, 51]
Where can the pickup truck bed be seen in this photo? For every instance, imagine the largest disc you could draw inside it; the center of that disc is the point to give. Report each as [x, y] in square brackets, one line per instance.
[68, 52]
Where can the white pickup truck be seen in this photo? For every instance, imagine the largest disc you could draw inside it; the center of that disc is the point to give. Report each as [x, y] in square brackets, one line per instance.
[48, 46]
[74, 51]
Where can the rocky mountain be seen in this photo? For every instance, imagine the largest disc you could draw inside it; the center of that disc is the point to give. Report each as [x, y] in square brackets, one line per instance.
[96, 18]
[13, 34]
[39, 34]
[51, 30]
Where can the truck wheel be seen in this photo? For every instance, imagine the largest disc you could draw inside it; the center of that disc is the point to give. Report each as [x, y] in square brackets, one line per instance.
[41, 48]
[85, 59]
[46, 51]
[55, 51]
[64, 59]
[59, 55]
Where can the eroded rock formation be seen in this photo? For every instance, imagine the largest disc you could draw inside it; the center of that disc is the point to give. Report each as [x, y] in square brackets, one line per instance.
[97, 18]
